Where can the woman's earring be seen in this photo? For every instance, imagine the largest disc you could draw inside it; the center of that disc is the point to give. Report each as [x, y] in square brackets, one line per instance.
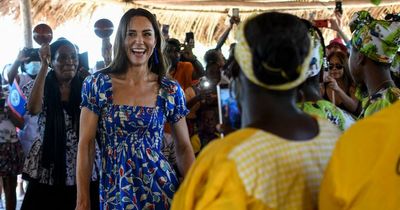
[156, 61]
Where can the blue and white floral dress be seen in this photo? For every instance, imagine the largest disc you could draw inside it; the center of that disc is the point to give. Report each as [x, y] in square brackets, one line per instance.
[134, 172]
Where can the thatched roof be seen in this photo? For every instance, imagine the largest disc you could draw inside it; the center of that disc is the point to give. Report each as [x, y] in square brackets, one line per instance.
[207, 19]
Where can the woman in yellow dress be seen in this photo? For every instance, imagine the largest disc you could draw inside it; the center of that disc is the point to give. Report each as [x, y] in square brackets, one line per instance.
[277, 159]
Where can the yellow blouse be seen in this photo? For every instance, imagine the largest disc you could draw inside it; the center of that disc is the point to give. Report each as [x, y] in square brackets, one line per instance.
[364, 172]
[253, 169]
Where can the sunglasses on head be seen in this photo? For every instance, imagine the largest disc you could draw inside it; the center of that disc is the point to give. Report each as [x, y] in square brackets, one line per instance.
[337, 66]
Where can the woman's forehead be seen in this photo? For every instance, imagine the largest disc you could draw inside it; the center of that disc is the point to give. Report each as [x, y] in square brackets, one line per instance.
[140, 23]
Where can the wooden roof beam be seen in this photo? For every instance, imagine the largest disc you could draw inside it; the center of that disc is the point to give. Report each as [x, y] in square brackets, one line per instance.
[202, 5]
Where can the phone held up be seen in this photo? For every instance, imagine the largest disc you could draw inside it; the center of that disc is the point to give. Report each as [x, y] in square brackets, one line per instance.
[165, 30]
[228, 109]
[235, 12]
[189, 39]
[338, 7]
[325, 22]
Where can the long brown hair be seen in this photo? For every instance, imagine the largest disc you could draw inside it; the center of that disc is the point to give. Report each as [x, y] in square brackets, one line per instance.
[120, 62]
[344, 60]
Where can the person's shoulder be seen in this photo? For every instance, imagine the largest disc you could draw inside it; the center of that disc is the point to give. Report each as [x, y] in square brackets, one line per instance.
[98, 76]
[328, 129]
[378, 123]
[169, 84]
[221, 149]
[185, 65]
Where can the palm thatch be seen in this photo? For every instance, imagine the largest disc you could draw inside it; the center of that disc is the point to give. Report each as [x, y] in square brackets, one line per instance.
[207, 19]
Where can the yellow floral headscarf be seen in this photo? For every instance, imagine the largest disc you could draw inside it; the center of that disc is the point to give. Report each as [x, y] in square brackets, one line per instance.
[379, 40]
[245, 60]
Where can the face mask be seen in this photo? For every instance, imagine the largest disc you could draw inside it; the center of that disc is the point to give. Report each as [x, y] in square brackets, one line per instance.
[32, 68]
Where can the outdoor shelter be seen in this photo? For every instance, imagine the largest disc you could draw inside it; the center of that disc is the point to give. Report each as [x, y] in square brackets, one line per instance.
[207, 19]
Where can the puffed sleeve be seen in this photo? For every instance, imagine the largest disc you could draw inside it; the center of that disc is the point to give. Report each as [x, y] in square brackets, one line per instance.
[93, 93]
[176, 102]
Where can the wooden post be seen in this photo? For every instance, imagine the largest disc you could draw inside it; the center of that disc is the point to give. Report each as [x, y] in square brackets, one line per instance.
[25, 7]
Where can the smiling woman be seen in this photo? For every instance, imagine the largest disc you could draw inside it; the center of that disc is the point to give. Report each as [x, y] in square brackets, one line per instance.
[54, 96]
[135, 174]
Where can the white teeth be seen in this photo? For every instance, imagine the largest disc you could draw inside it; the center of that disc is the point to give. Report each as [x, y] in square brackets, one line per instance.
[138, 50]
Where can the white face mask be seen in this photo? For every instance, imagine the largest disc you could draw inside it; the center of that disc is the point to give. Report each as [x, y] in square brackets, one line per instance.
[32, 68]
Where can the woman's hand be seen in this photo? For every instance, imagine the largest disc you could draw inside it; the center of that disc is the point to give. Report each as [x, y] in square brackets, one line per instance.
[81, 206]
[332, 84]
[21, 57]
[45, 54]
[16, 121]
[334, 25]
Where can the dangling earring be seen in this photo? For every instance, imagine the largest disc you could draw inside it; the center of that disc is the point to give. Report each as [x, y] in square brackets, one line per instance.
[156, 61]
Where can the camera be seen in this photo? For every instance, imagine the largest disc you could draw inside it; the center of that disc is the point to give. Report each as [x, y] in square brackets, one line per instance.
[32, 53]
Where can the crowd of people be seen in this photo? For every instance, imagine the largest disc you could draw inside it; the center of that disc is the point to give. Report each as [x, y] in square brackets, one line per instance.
[315, 126]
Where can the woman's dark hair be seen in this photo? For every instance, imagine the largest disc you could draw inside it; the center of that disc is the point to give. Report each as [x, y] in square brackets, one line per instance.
[174, 43]
[232, 68]
[57, 44]
[120, 62]
[279, 40]
[211, 56]
[347, 79]
[205, 108]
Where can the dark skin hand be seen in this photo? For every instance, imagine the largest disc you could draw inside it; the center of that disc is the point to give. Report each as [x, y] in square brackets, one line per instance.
[16, 121]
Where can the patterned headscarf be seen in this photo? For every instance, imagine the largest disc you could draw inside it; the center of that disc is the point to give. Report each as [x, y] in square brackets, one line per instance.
[379, 40]
[317, 57]
[245, 60]
[395, 67]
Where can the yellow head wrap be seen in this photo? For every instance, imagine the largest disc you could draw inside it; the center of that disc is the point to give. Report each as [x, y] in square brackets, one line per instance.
[245, 60]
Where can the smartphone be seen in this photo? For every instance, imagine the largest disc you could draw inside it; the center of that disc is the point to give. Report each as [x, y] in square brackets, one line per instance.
[321, 23]
[235, 12]
[189, 39]
[165, 29]
[228, 109]
[338, 7]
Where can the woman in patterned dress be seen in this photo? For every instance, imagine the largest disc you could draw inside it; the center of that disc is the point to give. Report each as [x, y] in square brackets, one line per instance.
[312, 101]
[125, 107]
[54, 96]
